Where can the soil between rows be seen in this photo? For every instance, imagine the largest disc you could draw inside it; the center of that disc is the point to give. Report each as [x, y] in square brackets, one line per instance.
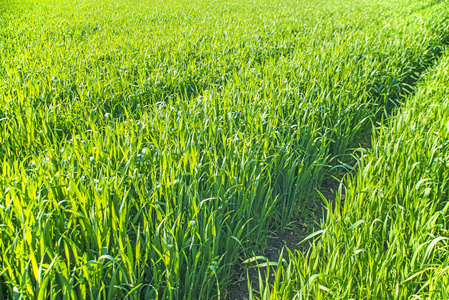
[289, 237]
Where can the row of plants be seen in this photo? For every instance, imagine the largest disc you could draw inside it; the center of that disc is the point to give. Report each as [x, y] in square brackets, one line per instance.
[389, 238]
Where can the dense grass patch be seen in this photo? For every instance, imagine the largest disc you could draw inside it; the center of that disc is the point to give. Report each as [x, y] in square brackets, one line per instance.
[390, 238]
[146, 147]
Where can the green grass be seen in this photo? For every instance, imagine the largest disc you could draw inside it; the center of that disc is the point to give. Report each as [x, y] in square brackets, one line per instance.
[148, 148]
[390, 238]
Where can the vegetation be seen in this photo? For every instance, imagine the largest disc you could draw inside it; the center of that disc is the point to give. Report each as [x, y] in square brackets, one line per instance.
[148, 148]
[389, 240]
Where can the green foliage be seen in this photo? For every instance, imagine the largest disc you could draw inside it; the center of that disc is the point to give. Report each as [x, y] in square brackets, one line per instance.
[145, 147]
[390, 238]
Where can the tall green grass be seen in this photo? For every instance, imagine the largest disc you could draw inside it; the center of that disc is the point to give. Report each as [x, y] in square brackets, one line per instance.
[145, 147]
[389, 240]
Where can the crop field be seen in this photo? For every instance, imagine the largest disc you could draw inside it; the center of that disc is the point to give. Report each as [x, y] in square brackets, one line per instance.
[390, 237]
[149, 149]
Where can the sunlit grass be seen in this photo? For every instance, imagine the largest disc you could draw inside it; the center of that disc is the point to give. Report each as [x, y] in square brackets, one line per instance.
[390, 238]
[145, 148]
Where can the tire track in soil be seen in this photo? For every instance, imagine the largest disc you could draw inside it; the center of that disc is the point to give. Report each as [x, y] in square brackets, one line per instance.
[289, 238]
